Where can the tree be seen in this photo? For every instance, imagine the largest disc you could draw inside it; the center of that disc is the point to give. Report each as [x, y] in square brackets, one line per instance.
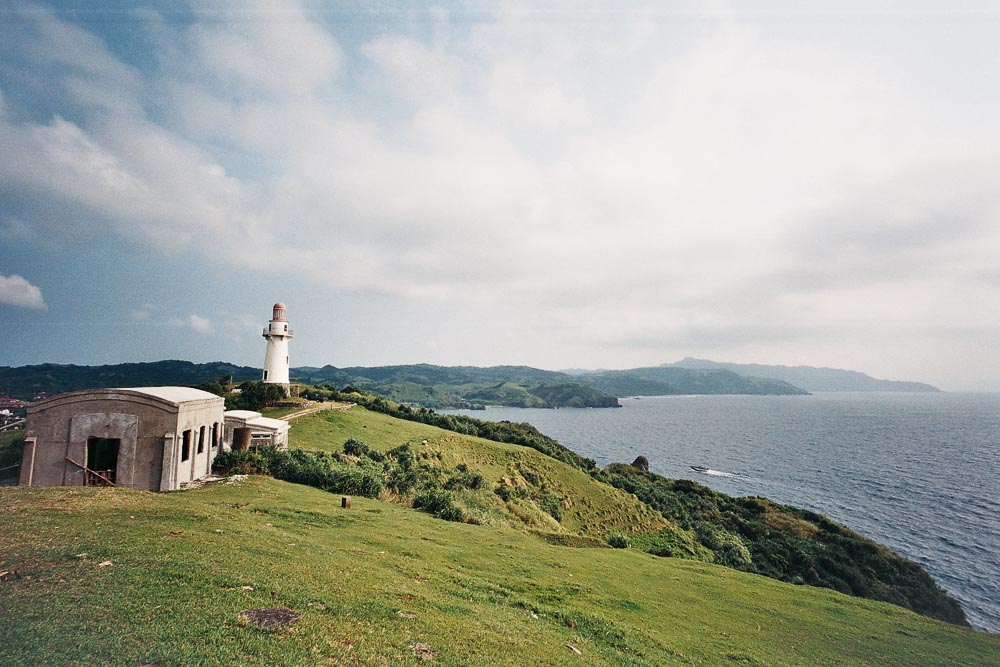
[256, 395]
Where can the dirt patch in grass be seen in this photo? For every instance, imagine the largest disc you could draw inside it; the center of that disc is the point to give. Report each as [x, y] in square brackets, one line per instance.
[272, 619]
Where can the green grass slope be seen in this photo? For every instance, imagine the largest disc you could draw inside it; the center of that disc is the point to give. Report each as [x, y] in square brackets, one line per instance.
[585, 507]
[120, 577]
[752, 535]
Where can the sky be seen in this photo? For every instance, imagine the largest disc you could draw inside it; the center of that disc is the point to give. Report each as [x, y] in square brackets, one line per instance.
[561, 185]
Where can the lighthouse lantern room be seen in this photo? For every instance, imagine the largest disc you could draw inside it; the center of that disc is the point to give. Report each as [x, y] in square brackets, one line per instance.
[277, 334]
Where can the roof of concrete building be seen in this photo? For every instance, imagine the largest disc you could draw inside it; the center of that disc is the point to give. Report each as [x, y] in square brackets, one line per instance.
[174, 397]
[242, 414]
[268, 423]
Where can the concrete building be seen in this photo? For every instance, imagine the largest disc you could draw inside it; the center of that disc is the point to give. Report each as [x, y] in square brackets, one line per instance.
[249, 428]
[154, 438]
[277, 334]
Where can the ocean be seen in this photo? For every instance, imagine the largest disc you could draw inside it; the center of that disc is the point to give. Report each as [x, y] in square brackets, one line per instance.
[918, 473]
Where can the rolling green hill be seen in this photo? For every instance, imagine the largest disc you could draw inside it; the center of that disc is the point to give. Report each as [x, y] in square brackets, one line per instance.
[549, 496]
[120, 577]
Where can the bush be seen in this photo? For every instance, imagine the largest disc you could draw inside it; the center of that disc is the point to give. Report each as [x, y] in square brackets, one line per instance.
[402, 455]
[550, 503]
[355, 448]
[463, 478]
[314, 469]
[439, 503]
[241, 462]
[11, 447]
[452, 513]
[432, 501]
[618, 541]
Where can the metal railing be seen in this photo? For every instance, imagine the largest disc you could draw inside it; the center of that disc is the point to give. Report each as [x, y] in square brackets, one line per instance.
[10, 475]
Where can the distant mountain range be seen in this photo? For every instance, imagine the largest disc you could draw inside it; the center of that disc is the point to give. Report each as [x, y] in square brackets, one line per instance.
[523, 386]
[471, 386]
[418, 384]
[810, 378]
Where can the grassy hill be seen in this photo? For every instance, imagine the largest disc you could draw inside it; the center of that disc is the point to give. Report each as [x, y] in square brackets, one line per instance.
[570, 499]
[586, 508]
[114, 576]
[377, 583]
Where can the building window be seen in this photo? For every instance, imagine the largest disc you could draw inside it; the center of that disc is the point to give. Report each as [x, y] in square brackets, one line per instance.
[186, 446]
[215, 435]
[201, 440]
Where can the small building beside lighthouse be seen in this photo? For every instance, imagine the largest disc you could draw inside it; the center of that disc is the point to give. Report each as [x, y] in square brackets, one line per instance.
[151, 438]
[277, 333]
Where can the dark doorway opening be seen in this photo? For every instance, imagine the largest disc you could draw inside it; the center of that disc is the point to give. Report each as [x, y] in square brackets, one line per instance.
[102, 461]
[241, 438]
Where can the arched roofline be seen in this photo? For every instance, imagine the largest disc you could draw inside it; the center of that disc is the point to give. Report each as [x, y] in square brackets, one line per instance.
[169, 399]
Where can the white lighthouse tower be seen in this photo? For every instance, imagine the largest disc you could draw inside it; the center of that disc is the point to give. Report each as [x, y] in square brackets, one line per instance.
[277, 334]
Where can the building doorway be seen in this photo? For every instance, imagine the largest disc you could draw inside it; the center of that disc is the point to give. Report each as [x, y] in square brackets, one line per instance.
[102, 461]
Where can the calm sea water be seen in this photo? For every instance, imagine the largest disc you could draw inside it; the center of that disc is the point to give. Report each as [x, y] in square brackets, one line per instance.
[916, 472]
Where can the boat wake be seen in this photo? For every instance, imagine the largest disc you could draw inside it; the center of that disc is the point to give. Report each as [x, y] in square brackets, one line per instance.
[715, 473]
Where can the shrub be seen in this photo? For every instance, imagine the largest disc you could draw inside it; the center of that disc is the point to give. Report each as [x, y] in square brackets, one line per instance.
[505, 492]
[463, 478]
[242, 462]
[355, 448]
[550, 503]
[732, 552]
[402, 455]
[10, 450]
[452, 513]
[432, 501]
[618, 541]
[314, 469]
[439, 503]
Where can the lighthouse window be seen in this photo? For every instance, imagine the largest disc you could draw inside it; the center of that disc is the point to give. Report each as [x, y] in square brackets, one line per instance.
[265, 374]
[286, 328]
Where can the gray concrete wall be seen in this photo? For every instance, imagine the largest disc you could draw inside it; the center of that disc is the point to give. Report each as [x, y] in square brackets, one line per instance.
[62, 425]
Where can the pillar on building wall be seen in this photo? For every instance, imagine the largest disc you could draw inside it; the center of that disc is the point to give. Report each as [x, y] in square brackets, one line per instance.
[168, 477]
[27, 462]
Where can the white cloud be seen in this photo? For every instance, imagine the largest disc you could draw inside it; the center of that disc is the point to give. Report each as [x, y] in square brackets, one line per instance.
[262, 47]
[142, 313]
[16, 291]
[652, 174]
[195, 323]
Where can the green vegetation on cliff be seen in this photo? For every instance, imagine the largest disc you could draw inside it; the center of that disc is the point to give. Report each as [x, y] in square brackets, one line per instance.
[782, 542]
[551, 395]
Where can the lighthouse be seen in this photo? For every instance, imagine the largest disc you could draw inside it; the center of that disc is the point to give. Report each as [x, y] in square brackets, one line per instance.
[277, 334]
